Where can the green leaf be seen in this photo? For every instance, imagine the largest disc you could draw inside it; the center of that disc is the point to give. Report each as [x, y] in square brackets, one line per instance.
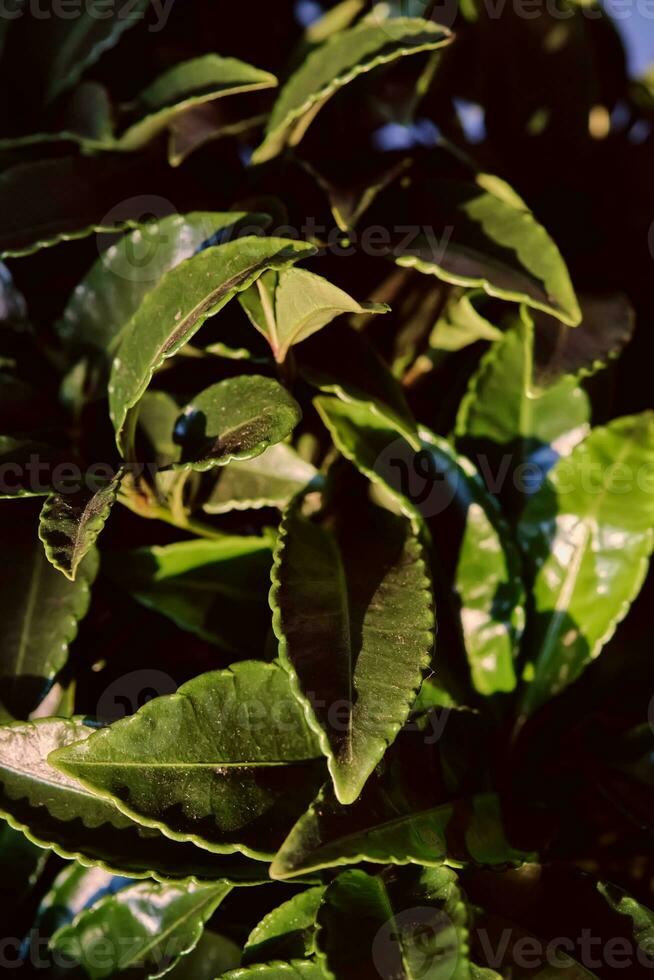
[175, 309]
[113, 289]
[70, 47]
[404, 816]
[55, 811]
[355, 632]
[461, 323]
[587, 536]
[227, 763]
[472, 548]
[235, 419]
[213, 956]
[70, 524]
[513, 426]
[292, 306]
[286, 933]
[334, 64]
[161, 921]
[493, 241]
[40, 613]
[403, 923]
[215, 589]
[190, 83]
[270, 480]
[295, 970]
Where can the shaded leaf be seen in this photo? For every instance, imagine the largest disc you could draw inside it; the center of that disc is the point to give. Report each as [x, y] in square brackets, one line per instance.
[70, 524]
[493, 241]
[295, 970]
[471, 545]
[403, 923]
[40, 613]
[429, 804]
[354, 618]
[175, 309]
[215, 589]
[161, 921]
[587, 536]
[270, 480]
[334, 64]
[289, 307]
[55, 811]
[228, 762]
[235, 419]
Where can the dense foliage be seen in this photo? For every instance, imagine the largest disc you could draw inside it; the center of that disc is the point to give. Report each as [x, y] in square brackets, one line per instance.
[328, 493]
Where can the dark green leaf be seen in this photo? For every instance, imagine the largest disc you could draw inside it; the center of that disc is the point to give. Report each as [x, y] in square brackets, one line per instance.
[175, 309]
[228, 762]
[354, 618]
[286, 933]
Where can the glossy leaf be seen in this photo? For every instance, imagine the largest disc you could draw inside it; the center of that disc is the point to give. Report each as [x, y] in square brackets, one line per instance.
[587, 536]
[401, 922]
[270, 480]
[236, 419]
[40, 615]
[175, 309]
[472, 547]
[334, 64]
[355, 625]
[295, 970]
[114, 288]
[494, 242]
[227, 763]
[163, 922]
[70, 524]
[55, 811]
[289, 307]
[429, 804]
[215, 589]
[188, 84]
[286, 933]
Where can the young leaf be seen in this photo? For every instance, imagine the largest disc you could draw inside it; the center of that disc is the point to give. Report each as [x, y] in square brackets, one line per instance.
[354, 618]
[402, 923]
[472, 548]
[290, 307]
[70, 524]
[40, 613]
[461, 324]
[493, 242]
[189, 84]
[227, 763]
[215, 589]
[587, 536]
[175, 309]
[235, 419]
[163, 922]
[114, 288]
[286, 933]
[55, 811]
[270, 480]
[334, 64]
[403, 817]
